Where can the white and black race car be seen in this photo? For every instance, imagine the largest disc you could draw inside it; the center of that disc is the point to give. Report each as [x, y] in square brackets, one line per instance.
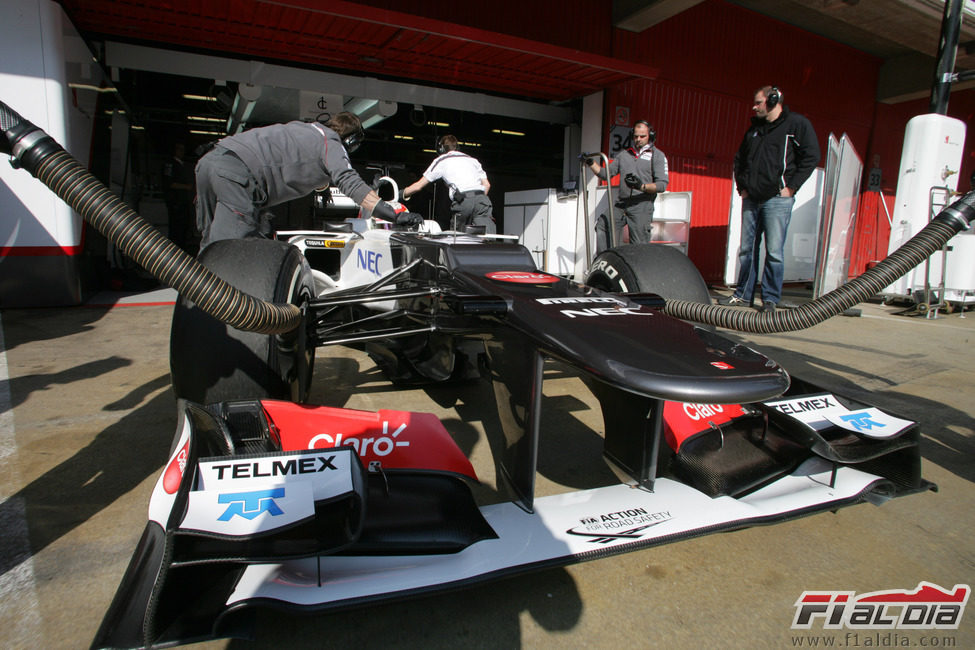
[269, 502]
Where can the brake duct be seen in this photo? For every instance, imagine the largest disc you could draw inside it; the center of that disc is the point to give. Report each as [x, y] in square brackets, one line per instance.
[38, 153]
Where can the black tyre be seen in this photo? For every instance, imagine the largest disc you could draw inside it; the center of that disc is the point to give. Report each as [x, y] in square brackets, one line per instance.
[648, 268]
[213, 362]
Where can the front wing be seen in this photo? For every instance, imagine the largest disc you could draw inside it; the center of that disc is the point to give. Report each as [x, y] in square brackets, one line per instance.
[271, 504]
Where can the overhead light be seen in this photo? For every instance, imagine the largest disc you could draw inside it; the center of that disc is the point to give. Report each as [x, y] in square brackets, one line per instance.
[97, 89]
[402, 137]
[200, 118]
[244, 103]
[371, 111]
[469, 144]
[136, 127]
[202, 98]
[198, 132]
[503, 132]
[437, 124]
[427, 151]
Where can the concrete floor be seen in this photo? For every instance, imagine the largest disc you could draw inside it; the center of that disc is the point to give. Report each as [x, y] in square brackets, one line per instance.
[87, 418]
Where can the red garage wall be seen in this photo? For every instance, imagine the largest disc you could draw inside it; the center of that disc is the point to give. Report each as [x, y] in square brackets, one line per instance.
[712, 57]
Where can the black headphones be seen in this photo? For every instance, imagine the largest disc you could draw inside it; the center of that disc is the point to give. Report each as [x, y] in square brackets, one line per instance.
[352, 141]
[652, 131]
[773, 98]
[441, 149]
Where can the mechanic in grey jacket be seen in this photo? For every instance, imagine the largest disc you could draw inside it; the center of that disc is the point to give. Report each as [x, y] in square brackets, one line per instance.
[779, 152]
[248, 172]
[643, 175]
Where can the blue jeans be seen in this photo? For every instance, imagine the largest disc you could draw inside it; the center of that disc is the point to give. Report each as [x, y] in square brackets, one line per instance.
[769, 219]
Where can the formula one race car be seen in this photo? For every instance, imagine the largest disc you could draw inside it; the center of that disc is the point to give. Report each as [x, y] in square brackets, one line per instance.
[268, 502]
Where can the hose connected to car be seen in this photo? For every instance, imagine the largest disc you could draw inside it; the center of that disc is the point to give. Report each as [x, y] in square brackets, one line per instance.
[953, 219]
[38, 153]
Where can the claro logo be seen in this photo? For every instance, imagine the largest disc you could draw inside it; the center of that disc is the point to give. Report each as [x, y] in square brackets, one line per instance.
[522, 277]
[174, 473]
[378, 446]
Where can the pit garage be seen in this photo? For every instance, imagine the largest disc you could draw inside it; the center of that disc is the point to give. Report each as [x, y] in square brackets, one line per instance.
[554, 393]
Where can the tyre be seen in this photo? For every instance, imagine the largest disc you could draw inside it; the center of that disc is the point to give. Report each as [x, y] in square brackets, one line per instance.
[213, 362]
[648, 268]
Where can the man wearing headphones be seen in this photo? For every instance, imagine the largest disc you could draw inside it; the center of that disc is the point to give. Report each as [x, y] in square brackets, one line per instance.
[263, 167]
[779, 152]
[465, 180]
[643, 172]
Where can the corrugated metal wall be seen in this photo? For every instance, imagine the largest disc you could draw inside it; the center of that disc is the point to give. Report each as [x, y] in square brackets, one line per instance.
[580, 24]
[712, 57]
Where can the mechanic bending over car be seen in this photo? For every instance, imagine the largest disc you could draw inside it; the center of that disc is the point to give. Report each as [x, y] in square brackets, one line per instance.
[465, 180]
[643, 172]
[248, 172]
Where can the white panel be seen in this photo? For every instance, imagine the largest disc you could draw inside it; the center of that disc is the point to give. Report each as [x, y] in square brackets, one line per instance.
[800, 239]
[836, 229]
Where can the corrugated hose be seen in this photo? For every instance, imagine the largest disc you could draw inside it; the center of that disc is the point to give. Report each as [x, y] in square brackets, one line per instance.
[38, 153]
[953, 219]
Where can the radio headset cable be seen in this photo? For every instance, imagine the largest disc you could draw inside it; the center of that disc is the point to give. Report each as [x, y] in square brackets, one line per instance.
[38, 153]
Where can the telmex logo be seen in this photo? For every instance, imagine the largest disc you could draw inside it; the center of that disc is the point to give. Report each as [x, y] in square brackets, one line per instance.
[522, 277]
[927, 607]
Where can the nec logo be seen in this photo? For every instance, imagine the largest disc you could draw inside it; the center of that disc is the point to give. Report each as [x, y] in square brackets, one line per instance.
[250, 505]
[368, 260]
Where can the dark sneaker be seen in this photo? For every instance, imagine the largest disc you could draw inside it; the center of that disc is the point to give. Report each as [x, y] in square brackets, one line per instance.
[732, 301]
[768, 307]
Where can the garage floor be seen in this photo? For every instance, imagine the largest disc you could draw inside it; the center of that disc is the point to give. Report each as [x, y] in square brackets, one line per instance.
[87, 418]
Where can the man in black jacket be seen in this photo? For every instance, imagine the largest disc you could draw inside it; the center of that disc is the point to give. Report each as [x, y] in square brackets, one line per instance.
[777, 155]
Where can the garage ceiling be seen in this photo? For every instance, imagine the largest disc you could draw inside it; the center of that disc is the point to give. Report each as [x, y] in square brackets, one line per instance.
[349, 36]
[903, 33]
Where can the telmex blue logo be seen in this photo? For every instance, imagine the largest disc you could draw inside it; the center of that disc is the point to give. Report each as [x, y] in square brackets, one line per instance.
[861, 421]
[368, 260]
[251, 504]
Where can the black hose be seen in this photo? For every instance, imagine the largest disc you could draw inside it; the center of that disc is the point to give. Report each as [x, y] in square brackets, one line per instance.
[45, 159]
[953, 219]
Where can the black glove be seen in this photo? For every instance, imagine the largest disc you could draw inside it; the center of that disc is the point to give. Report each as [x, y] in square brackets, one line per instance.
[586, 158]
[632, 181]
[409, 219]
[385, 211]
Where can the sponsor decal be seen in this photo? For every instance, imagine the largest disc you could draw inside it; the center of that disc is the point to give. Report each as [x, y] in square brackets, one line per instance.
[824, 410]
[251, 505]
[616, 310]
[927, 607]
[620, 526]
[174, 472]
[577, 300]
[368, 260]
[324, 243]
[721, 365]
[522, 277]
[272, 467]
[381, 446]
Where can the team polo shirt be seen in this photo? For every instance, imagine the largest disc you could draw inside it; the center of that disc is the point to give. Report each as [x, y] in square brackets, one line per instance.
[461, 172]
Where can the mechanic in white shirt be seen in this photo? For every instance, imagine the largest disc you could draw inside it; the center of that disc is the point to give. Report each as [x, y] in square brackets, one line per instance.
[466, 181]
